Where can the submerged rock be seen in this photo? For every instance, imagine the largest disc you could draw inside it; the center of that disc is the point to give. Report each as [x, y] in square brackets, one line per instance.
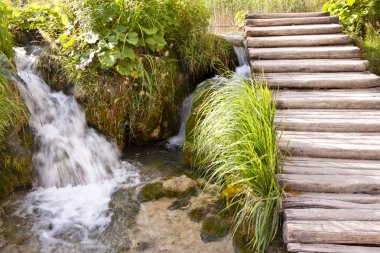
[154, 191]
[181, 185]
[214, 228]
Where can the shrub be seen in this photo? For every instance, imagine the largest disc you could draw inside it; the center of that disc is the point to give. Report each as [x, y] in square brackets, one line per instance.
[6, 37]
[236, 146]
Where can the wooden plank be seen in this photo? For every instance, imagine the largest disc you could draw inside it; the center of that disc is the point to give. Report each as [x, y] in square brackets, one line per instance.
[328, 120]
[352, 80]
[299, 41]
[329, 99]
[331, 145]
[327, 163]
[356, 198]
[331, 183]
[335, 232]
[304, 202]
[287, 15]
[293, 30]
[330, 248]
[292, 21]
[326, 52]
[323, 214]
[309, 65]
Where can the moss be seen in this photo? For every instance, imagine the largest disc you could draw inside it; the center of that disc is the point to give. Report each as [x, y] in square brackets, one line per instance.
[198, 214]
[214, 228]
[181, 203]
[154, 191]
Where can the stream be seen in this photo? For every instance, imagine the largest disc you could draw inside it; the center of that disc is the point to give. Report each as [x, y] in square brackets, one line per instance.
[86, 193]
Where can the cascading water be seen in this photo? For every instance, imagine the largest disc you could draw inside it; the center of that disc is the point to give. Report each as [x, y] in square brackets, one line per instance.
[77, 168]
[241, 72]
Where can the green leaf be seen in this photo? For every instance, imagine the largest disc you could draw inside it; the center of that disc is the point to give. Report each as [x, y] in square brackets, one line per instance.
[151, 41]
[69, 43]
[129, 53]
[106, 59]
[149, 31]
[161, 42]
[112, 39]
[133, 38]
[124, 68]
[121, 28]
[350, 2]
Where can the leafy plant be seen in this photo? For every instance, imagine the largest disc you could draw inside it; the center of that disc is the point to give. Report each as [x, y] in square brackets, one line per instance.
[236, 145]
[6, 37]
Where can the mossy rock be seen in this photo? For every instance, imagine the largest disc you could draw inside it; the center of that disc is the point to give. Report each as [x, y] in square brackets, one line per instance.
[214, 228]
[154, 191]
[198, 214]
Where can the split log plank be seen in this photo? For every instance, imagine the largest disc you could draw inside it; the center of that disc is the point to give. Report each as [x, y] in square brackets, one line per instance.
[309, 65]
[329, 99]
[292, 21]
[324, 52]
[301, 202]
[335, 232]
[293, 30]
[323, 214]
[330, 248]
[287, 15]
[331, 183]
[356, 198]
[299, 41]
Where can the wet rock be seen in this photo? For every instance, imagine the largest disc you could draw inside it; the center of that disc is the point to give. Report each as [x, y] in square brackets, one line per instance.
[182, 203]
[154, 191]
[214, 228]
[198, 214]
[182, 185]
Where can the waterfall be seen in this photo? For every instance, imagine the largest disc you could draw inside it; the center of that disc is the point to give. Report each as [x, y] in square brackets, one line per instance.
[242, 71]
[77, 168]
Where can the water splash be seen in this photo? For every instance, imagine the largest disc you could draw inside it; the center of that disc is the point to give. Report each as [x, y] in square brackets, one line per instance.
[242, 72]
[77, 168]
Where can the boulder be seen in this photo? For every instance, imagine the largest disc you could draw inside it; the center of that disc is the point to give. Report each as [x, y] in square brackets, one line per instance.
[181, 185]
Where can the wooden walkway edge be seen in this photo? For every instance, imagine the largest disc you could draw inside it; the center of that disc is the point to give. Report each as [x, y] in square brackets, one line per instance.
[329, 115]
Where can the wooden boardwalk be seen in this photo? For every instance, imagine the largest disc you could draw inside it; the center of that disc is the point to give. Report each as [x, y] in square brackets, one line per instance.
[329, 112]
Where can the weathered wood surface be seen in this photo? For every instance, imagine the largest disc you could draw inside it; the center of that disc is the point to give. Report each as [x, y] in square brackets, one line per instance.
[309, 65]
[328, 99]
[352, 232]
[292, 21]
[332, 176]
[287, 15]
[331, 145]
[325, 52]
[323, 214]
[299, 41]
[294, 30]
[330, 248]
[329, 183]
[317, 120]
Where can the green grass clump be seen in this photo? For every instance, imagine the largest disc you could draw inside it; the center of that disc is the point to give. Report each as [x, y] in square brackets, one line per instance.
[5, 35]
[371, 50]
[236, 145]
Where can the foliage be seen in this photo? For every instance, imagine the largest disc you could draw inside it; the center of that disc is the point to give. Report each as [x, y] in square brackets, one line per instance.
[371, 48]
[235, 142]
[355, 15]
[5, 35]
[33, 20]
[232, 13]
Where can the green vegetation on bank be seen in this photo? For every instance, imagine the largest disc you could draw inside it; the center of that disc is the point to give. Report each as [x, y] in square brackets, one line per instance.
[234, 143]
[131, 62]
[14, 167]
[361, 20]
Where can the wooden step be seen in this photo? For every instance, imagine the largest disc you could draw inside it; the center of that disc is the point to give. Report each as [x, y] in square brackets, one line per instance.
[301, 202]
[345, 80]
[318, 120]
[299, 40]
[287, 15]
[332, 145]
[351, 232]
[331, 183]
[309, 65]
[323, 214]
[293, 30]
[323, 166]
[360, 200]
[292, 21]
[326, 52]
[329, 99]
[330, 248]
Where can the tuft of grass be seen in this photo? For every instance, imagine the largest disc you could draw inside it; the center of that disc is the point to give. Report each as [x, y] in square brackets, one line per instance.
[236, 145]
[371, 50]
[6, 36]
